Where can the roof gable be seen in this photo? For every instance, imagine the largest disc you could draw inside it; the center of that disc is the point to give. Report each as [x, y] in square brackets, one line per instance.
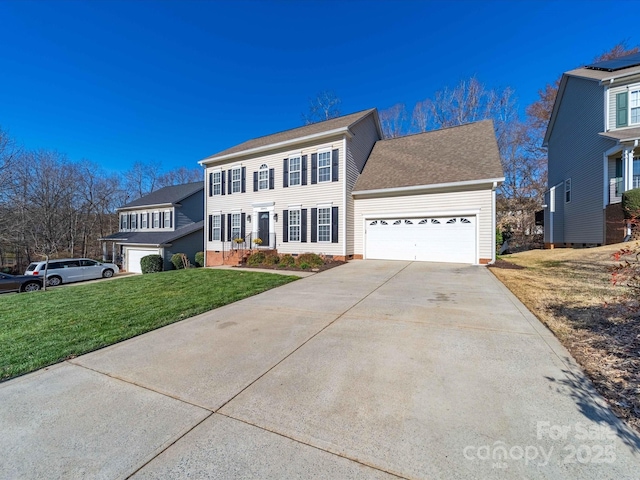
[167, 195]
[296, 134]
[451, 155]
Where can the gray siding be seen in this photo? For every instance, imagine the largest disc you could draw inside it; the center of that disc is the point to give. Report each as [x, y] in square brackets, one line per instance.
[576, 152]
[191, 210]
[189, 245]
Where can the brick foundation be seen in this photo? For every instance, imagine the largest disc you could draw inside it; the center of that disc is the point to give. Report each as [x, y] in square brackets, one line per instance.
[233, 257]
[485, 261]
[357, 256]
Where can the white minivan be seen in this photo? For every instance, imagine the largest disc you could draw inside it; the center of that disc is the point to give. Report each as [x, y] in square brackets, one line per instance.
[68, 270]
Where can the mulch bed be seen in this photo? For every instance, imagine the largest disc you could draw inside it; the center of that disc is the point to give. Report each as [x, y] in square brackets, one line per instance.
[295, 268]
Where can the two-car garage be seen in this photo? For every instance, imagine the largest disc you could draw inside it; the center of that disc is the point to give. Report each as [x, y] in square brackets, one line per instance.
[428, 239]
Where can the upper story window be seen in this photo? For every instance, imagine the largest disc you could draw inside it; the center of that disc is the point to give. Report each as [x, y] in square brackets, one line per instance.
[324, 167]
[143, 220]
[167, 219]
[263, 177]
[134, 220]
[124, 221]
[634, 104]
[294, 170]
[156, 220]
[216, 183]
[236, 180]
[567, 190]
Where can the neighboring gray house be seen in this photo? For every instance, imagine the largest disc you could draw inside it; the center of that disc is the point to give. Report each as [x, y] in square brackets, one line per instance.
[337, 188]
[592, 139]
[167, 221]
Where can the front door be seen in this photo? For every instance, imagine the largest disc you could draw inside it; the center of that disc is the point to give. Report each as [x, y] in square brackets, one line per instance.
[263, 228]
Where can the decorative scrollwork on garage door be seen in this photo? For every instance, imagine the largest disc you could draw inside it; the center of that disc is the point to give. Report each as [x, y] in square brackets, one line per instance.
[452, 220]
[382, 222]
[408, 222]
[433, 220]
[422, 222]
[375, 222]
[465, 220]
[397, 222]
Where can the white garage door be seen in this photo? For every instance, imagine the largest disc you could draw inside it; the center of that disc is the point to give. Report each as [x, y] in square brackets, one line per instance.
[437, 239]
[133, 256]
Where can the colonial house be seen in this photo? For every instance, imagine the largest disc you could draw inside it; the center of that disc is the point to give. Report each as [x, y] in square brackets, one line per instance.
[592, 139]
[167, 221]
[338, 189]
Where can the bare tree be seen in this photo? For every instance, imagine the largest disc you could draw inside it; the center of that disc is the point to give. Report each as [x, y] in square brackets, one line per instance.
[324, 106]
[420, 116]
[141, 179]
[179, 176]
[392, 121]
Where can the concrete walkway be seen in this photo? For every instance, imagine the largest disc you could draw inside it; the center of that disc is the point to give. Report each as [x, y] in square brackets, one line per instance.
[370, 370]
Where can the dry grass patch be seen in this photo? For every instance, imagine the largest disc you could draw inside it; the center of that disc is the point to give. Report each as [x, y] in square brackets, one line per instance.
[570, 291]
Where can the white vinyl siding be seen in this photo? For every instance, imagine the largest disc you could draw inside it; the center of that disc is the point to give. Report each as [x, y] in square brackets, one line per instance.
[426, 205]
[306, 196]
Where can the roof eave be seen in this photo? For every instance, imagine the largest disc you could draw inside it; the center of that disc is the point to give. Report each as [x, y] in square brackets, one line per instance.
[415, 188]
[271, 146]
[154, 205]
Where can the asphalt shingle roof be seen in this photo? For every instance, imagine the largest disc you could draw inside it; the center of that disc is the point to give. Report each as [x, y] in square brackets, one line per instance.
[167, 195]
[314, 128]
[455, 154]
[154, 238]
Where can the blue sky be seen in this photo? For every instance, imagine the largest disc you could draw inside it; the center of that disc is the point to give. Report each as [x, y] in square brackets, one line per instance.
[172, 82]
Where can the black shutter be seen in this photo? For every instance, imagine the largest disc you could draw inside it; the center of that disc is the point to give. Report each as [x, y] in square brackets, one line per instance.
[148, 221]
[210, 228]
[314, 225]
[138, 216]
[334, 225]
[243, 220]
[222, 183]
[304, 170]
[285, 225]
[314, 169]
[230, 186]
[170, 219]
[210, 184]
[303, 225]
[222, 224]
[285, 170]
[335, 155]
[255, 181]
[228, 227]
[243, 183]
[272, 180]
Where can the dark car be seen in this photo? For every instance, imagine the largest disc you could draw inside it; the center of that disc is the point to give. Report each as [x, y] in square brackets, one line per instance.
[19, 283]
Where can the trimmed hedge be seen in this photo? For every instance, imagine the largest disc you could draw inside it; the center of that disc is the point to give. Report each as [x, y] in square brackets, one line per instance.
[178, 260]
[631, 203]
[151, 263]
[199, 259]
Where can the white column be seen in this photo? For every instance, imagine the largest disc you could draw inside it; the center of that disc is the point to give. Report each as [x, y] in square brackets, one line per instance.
[627, 168]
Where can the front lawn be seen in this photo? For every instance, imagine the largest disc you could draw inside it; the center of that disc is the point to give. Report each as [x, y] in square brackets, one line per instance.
[41, 328]
[570, 291]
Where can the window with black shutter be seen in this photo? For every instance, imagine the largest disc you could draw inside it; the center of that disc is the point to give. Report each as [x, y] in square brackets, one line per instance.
[285, 226]
[335, 155]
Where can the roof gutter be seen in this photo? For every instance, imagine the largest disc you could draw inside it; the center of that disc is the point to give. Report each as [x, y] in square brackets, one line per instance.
[494, 181]
[156, 205]
[271, 146]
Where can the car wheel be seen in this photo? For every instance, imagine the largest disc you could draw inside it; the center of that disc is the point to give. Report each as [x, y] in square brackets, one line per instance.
[31, 287]
[54, 281]
[108, 273]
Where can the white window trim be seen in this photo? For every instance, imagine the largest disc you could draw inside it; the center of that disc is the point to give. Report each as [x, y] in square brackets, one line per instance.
[630, 90]
[318, 224]
[155, 216]
[218, 228]
[218, 183]
[166, 220]
[260, 171]
[329, 167]
[299, 171]
[143, 220]
[299, 224]
[134, 222]
[238, 181]
[235, 215]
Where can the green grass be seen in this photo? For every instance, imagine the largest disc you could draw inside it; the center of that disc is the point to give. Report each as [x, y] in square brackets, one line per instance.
[42, 328]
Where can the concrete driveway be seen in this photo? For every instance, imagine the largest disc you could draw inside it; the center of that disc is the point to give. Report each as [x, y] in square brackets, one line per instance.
[370, 370]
